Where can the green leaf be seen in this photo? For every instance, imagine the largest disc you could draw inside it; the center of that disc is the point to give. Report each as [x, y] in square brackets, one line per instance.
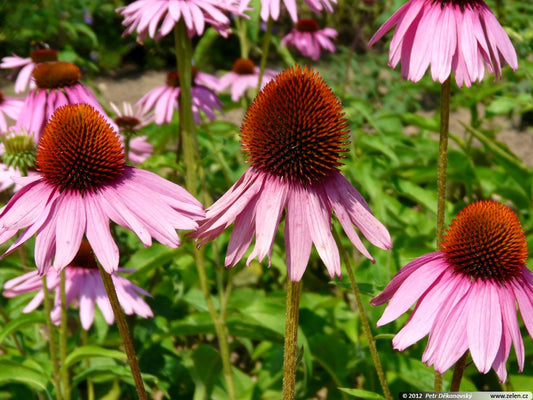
[20, 322]
[14, 372]
[81, 353]
[362, 394]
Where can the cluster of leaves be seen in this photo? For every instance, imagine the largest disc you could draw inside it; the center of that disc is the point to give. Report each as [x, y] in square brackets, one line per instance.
[392, 161]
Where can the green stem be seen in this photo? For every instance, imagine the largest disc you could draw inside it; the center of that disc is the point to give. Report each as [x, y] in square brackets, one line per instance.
[127, 138]
[441, 178]
[264, 53]
[90, 385]
[364, 319]
[443, 158]
[124, 332]
[51, 339]
[187, 128]
[63, 339]
[221, 328]
[242, 34]
[290, 354]
[458, 373]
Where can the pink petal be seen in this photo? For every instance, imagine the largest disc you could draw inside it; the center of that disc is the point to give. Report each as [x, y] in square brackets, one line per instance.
[412, 288]
[484, 328]
[298, 242]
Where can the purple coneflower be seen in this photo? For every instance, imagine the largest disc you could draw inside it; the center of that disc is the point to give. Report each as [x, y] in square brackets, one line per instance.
[58, 84]
[84, 288]
[81, 184]
[244, 75]
[25, 66]
[129, 120]
[293, 136]
[309, 39]
[467, 293]
[164, 99]
[462, 36]
[11, 107]
[272, 8]
[156, 18]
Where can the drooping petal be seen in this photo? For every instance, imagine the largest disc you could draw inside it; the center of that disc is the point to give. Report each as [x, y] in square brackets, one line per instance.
[298, 241]
[484, 324]
[412, 288]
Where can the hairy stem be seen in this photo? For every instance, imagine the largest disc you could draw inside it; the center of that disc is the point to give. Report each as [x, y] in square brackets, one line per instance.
[221, 328]
[51, 340]
[441, 178]
[364, 319]
[264, 53]
[187, 128]
[458, 370]
[63, 339]
[290, 348]
[124, 332]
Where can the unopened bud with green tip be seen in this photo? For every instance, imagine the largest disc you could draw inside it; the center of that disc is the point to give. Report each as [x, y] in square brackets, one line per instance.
[19, 151]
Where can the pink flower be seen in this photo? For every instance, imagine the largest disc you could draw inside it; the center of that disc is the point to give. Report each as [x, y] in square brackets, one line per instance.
[57, 85]
[25, 66]
[293, 143]
[164, 100]
[462, 37]
[467, 293]
[309, 40]
[82, 183]
[84, 288]
[243, 76]
[271, 8]
[156, 18]
[10, 106]
[129, 120]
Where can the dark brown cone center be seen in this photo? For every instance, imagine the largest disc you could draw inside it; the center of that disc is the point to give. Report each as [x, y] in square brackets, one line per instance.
[295, 128]
[307, 25]
[43, 55]
[79, 150]
[173, 77]
[486, 241]
[84, 258]
[243, 66]
[127, 122]
[56, 74]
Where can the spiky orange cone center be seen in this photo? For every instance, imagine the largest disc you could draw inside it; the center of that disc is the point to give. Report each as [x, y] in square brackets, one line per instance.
[295, 128]
[79, 150]
[486, 241]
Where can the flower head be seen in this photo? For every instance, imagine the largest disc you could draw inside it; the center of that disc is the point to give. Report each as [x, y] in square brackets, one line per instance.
[84, 288]
[309, 39]
[294, 144]
[129, 120]
[164, 99]
[81, 184]
[467, 292]
[10, 106]
[271, 8]
[244, 75]
[462, 36]
[156, 18]
[25, 66]
[58, 84]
